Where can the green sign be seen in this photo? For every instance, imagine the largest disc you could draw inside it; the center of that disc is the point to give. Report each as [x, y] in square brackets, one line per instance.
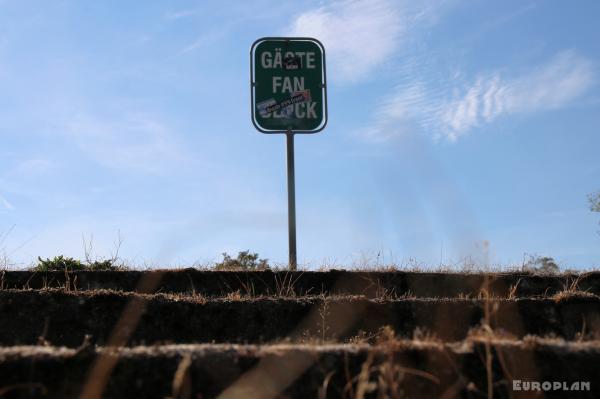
[288, 85]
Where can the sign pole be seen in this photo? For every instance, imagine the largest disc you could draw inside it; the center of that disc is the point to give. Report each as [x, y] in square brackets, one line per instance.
[291, 186]
[288, 95]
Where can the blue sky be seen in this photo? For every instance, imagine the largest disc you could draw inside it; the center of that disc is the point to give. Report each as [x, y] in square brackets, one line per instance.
[457, 129]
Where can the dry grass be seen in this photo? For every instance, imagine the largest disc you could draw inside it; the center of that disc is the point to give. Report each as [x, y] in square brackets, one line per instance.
[565, 296]
[486, 325]
[234, 296]
[182, 381]
[380, 377]
[383, 374]
[512, 292]
[571, 291]
[323, 315]
[100, 373]
[284, 287]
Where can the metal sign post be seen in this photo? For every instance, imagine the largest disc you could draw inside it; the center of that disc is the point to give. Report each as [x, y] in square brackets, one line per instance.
[291, 186]
[288, 89]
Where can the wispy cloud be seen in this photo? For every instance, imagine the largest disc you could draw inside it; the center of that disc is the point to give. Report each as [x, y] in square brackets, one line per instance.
[223, 21]
[33, 167]
[180, 14]
[206, 39]
[7, 205]
[358, 35]
[455, 111]
[136, 143]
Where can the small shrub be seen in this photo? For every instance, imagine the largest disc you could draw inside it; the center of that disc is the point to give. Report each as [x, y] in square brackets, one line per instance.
[594, 200]
[244, 261]
[62, 263]
[541, 265]
[58, 263]
[104, 265]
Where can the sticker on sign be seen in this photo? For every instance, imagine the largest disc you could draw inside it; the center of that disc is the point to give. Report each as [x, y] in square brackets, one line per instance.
[288, 85]
[292, 62]
[270, 106]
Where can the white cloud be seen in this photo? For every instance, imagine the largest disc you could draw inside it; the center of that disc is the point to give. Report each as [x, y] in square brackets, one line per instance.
[135, 143]
[358, 35]
[4, 202]
[551, 85]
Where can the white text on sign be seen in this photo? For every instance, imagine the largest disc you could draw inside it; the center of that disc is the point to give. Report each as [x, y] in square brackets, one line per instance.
[289, 84]
[270, 60]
